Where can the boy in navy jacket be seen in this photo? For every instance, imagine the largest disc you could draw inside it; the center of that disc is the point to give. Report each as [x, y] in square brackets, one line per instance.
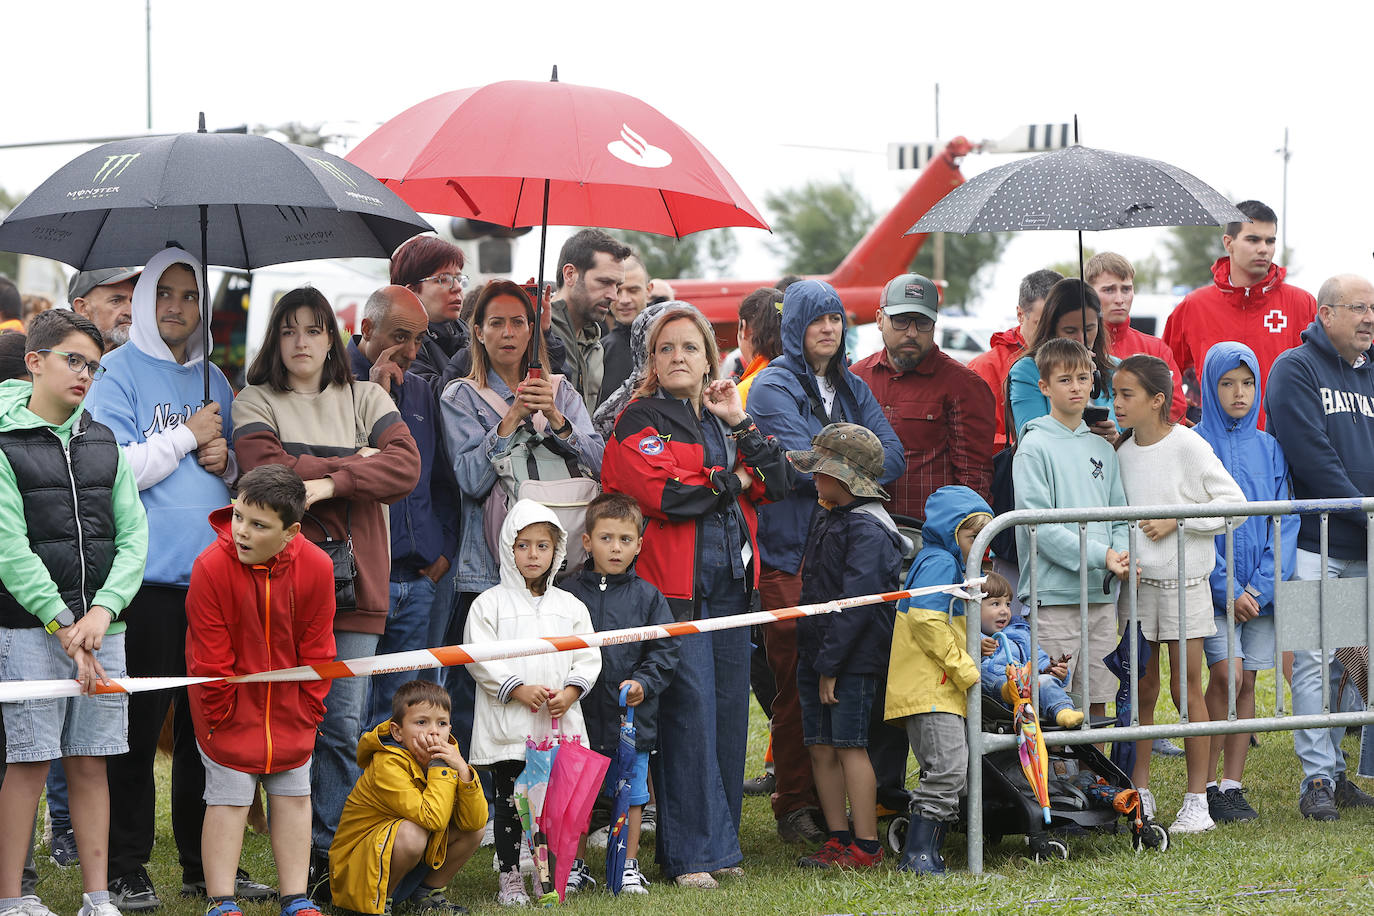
[616, 598]
[853, 549]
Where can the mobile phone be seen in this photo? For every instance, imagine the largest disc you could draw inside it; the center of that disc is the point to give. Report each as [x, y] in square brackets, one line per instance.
[1093, 415]
[531, 290]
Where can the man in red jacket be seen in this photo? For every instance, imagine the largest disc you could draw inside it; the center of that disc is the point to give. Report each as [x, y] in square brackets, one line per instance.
[1248, 301]
[1007, 345]
[943, 416]
[261, 599]
[1114, 279]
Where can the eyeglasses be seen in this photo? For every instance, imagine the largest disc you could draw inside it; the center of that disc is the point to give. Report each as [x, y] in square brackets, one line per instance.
[1360, 309]
[79, 364]
[449, 280]
[902, 322]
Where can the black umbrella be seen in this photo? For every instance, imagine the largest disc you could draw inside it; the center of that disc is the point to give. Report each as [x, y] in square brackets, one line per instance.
[251, 200]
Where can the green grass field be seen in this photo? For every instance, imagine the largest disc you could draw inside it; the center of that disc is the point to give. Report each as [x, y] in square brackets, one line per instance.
[1280, 864]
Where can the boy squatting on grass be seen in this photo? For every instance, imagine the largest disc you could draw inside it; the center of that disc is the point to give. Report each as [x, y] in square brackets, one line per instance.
[415, 816]
[261, 598]
[1006, 641]
[617, 598]
[68, 569]
[853, 547]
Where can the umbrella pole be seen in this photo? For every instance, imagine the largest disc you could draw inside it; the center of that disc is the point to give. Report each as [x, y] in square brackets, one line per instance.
[539, 289]
[205, 313]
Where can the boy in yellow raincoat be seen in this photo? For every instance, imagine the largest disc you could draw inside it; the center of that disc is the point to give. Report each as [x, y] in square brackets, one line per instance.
[416, 815]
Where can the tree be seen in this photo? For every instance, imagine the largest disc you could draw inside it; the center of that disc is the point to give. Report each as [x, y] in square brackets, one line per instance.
[668, 258]
[1191, 251]
[9, 262]
[817, 224]
[965, 258]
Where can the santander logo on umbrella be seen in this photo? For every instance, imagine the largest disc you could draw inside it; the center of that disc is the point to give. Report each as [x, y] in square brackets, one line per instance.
[633, 149]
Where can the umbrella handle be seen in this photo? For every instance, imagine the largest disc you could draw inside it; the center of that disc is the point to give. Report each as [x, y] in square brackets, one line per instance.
[624, 704]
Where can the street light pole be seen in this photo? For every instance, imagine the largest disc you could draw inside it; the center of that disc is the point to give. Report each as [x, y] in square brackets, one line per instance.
[1287, 154]
[148, 55]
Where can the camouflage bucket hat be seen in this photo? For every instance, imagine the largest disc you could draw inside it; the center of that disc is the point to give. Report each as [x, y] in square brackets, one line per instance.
[848, 452]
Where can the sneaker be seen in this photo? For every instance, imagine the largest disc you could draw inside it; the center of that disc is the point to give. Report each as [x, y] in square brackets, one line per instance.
[62, 849]
[430, 901]
[245, 888]
[1229, 806]
[1166, 748]
[317, 877]
[1147, 803]
[854, 857]
[1193, 816]
[1349, 795]
[134, 892]
[697, 879]
[828, 856]
[511, 889]
[30, 905]
[761, 785]
[632, 881]
[801, 826]
[598, 839]
[729, 871]
[489, 835]
[301, 906]
[1318, 801]
[580, 878]
[224, 908]
[648, 820]
[95, 909]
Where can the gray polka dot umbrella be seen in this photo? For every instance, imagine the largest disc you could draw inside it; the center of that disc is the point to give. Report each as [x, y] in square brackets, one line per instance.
[1079, 188]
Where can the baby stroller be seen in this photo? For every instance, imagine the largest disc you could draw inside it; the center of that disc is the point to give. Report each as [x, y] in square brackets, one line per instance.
[1087, 792]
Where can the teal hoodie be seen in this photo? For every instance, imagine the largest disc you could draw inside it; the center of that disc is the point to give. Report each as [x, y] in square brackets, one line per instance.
[23, 572]
[1060, 468]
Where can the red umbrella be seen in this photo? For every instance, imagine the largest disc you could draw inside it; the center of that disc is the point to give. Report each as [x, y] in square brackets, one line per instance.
[522, 153]
[609, 160]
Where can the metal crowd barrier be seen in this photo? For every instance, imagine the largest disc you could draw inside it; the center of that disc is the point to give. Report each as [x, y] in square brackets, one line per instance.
[1316, 615]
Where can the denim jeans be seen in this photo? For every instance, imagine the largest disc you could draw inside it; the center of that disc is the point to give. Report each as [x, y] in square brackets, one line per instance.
[407, 627]
[703, 727]
[462, 689]
[1319, 749]
[440, 617]
[1053, 695]
[335, 767]
[58, 812]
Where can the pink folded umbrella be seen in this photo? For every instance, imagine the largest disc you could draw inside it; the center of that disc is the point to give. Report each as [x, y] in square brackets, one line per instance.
[574, 783]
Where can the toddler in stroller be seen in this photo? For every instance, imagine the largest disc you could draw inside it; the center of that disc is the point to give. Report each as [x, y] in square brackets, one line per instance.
[1006, 641]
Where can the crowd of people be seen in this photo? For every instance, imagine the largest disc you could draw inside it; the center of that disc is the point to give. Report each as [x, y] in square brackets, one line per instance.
[589, 462]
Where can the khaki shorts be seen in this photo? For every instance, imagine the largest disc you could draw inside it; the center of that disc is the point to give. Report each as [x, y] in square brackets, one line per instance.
[1060, 634]
[1156, 607]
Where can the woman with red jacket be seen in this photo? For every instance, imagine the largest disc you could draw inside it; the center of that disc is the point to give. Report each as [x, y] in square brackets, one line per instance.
[687, 451]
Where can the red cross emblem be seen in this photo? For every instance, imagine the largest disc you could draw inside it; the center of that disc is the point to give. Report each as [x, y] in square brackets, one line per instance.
[1275, 321]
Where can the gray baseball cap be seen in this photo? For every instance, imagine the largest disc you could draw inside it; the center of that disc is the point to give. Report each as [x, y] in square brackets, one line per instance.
[911, 293]
[82, 283]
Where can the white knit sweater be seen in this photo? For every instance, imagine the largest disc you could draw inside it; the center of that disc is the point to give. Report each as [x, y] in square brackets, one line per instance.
[1180, 468]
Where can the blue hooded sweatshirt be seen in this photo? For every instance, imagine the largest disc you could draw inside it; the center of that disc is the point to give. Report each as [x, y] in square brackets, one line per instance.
[1255, 460]
[940, 562]
[147, 393]
[784, 402]
[1321, 409]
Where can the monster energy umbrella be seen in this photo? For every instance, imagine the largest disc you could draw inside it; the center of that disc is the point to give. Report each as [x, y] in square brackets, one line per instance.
[250, 200]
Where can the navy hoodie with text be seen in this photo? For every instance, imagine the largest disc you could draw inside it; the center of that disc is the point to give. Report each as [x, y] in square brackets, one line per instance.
[1321, 409]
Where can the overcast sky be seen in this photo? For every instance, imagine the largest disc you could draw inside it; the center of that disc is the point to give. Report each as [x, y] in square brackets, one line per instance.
[1207, 87]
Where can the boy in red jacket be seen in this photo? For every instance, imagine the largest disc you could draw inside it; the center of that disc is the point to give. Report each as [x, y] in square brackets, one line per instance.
[261, 599]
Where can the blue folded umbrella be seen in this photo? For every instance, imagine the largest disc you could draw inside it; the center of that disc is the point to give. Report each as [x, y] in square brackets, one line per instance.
[1119, 663]
[620, 806]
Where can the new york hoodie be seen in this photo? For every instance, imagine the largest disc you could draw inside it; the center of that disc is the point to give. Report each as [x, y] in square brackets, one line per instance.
[145, 398]
[1060, 468]
[1255, 461]
[1321, 409]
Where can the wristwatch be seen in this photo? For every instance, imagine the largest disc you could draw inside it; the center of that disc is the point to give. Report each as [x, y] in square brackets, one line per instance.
[567, 425]
[64, 618]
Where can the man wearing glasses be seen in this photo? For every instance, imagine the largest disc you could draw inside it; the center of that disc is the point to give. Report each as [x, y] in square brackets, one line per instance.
[1320, 404]
[941, 410]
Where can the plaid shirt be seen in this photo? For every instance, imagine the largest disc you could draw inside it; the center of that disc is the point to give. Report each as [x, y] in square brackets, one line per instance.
[945, 416]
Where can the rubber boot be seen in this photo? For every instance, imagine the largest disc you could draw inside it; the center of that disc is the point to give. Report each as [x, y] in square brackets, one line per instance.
[920, 854]
[941, 828]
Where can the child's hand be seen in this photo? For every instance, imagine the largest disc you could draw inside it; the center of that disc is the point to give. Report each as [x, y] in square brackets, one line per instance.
[531, 696]
[635, 696]
[828, 691]
[1118, 564]
[561, 701]
[1059, 669]
[1156, 528]
[449, 754]
[989, 646]
[1247, 608]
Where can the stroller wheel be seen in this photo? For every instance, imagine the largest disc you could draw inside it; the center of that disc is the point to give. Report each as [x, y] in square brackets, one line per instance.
[1045, 849]
[896, 833]
[1152, 836]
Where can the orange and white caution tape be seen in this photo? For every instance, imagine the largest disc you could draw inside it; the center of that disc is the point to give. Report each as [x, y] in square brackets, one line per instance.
[446, 656]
